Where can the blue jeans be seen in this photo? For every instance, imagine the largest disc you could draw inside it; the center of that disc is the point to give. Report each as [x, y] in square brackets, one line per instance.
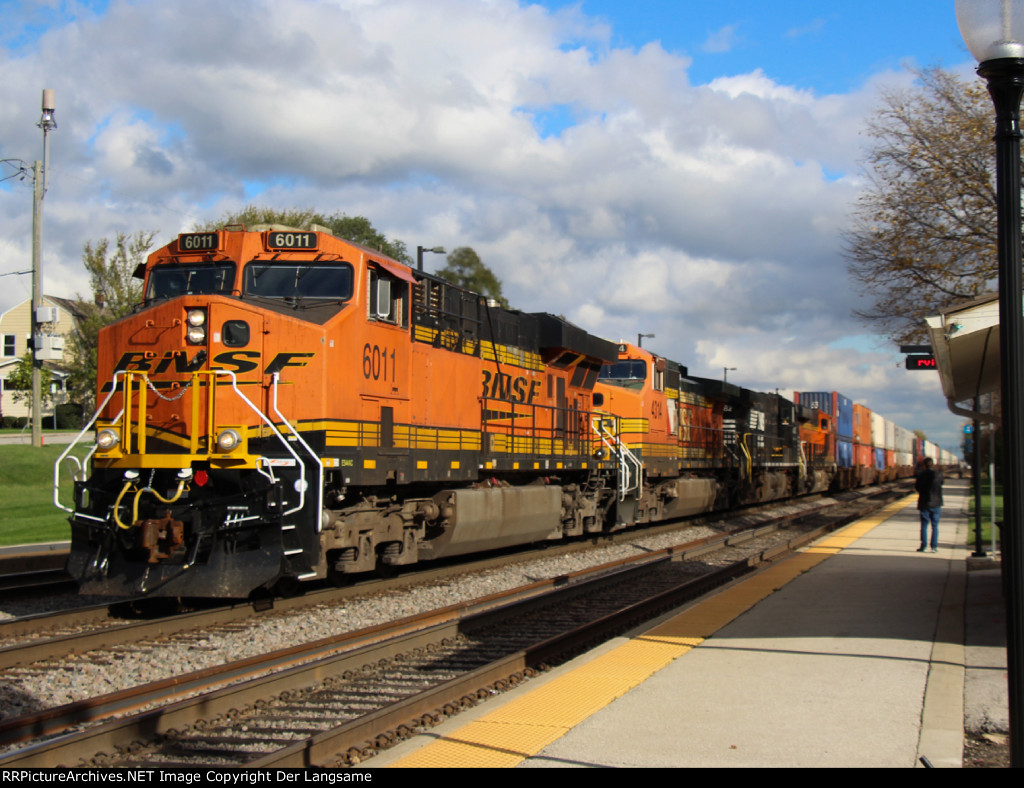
[931, 515]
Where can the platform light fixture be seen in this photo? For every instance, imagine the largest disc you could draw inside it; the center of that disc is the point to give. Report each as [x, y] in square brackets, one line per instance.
[419, 254]
[640, 339]
[994, 33]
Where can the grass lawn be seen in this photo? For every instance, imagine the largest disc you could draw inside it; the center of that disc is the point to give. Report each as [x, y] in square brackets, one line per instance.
[27, 513]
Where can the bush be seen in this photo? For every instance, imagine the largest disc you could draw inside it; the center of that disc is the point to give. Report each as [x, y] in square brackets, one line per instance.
[69, 416]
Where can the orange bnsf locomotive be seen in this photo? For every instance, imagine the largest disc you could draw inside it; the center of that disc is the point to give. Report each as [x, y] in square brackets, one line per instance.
[286, 405]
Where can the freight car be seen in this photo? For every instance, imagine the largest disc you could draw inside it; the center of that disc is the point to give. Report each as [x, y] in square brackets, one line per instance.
[286, 405]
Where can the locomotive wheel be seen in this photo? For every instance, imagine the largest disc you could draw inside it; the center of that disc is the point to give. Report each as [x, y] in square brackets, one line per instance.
[287, 586]
[385, 571]
[338, 579]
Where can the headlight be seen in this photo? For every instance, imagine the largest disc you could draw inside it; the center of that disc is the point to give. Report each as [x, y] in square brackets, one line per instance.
[106, 439]
[195, 320]
[228, 440]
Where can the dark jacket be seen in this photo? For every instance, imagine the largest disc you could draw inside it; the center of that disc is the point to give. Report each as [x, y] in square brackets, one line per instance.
[928, 484]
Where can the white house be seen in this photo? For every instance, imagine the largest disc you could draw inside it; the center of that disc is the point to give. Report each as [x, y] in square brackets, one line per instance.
[59, 316]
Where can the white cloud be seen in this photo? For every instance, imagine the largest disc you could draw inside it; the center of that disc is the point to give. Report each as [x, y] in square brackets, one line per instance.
[721, 40]
[759, 85]
[813, 27]
[703, 214]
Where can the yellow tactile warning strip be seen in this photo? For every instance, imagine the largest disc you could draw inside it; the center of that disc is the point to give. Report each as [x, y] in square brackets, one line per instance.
[526, 725]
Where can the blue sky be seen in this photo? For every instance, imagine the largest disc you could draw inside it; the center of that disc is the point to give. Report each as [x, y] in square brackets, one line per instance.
[828, 47]
[679, 168]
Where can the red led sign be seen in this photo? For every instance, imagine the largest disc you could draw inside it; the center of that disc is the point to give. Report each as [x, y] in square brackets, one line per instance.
[921, 362]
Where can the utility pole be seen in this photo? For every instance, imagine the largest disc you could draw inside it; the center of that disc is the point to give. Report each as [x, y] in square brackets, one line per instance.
[39, 175]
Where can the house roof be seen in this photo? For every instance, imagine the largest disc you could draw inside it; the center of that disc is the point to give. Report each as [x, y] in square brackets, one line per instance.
[75, 307]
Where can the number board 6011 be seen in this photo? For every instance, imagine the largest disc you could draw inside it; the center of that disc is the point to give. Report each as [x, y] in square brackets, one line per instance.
[281, 239]
[198, 242]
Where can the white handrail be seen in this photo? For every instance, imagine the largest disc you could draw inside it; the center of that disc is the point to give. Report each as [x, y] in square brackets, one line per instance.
[319, 462]
[85, 429]
[626, 458]
[234, 385]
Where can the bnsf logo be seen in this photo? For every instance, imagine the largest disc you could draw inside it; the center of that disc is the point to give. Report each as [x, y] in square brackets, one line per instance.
[239, 361]
[504, 387]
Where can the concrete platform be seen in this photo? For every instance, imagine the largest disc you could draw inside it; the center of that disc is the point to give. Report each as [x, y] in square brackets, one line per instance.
[850, 654]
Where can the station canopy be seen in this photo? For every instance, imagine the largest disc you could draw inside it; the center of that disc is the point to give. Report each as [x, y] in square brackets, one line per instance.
[965, 342]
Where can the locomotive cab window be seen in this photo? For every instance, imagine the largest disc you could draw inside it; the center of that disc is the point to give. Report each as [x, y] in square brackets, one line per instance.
[629, 373]
[171, 281]
[235, 333]
[386, 299]
[659, 374]
[298, 280]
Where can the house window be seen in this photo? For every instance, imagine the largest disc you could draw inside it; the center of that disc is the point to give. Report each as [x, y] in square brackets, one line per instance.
[9, 345]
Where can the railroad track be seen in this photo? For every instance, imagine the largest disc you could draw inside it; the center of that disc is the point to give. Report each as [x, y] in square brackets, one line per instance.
[34, 569]
[336, 701]
[56, 634]
[49, 581]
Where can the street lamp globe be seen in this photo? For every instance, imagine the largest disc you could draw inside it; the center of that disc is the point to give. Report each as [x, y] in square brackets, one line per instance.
[992, 29]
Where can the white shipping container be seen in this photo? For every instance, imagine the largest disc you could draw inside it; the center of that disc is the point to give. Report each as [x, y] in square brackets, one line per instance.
[877, 431]
[904, 443]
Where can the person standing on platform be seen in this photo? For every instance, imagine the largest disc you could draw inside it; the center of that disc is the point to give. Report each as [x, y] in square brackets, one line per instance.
[928, 484]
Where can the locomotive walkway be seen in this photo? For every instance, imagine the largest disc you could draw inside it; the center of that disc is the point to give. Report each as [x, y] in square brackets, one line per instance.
[850, 654]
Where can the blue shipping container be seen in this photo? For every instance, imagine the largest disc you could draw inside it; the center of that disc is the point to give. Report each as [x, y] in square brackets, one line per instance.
[834, 404]
[844, 454]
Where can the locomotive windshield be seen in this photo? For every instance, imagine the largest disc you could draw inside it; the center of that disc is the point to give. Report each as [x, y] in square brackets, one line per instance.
[298, 280]
[170, 281]
[629, 373]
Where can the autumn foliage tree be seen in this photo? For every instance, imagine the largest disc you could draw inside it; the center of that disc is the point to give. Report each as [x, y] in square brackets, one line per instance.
[923, 233]
[115, 293]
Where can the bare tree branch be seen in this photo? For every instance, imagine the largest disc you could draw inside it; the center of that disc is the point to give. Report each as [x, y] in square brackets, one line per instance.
[923, 234]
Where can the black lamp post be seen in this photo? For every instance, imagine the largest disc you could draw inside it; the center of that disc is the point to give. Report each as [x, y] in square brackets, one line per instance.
[419, 254]
[994, 33]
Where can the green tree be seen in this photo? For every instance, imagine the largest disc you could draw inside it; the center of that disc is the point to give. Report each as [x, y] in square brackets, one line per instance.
[465, 269]
[19, 382]
[923, 232]
[352, 228]
[115, 293]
